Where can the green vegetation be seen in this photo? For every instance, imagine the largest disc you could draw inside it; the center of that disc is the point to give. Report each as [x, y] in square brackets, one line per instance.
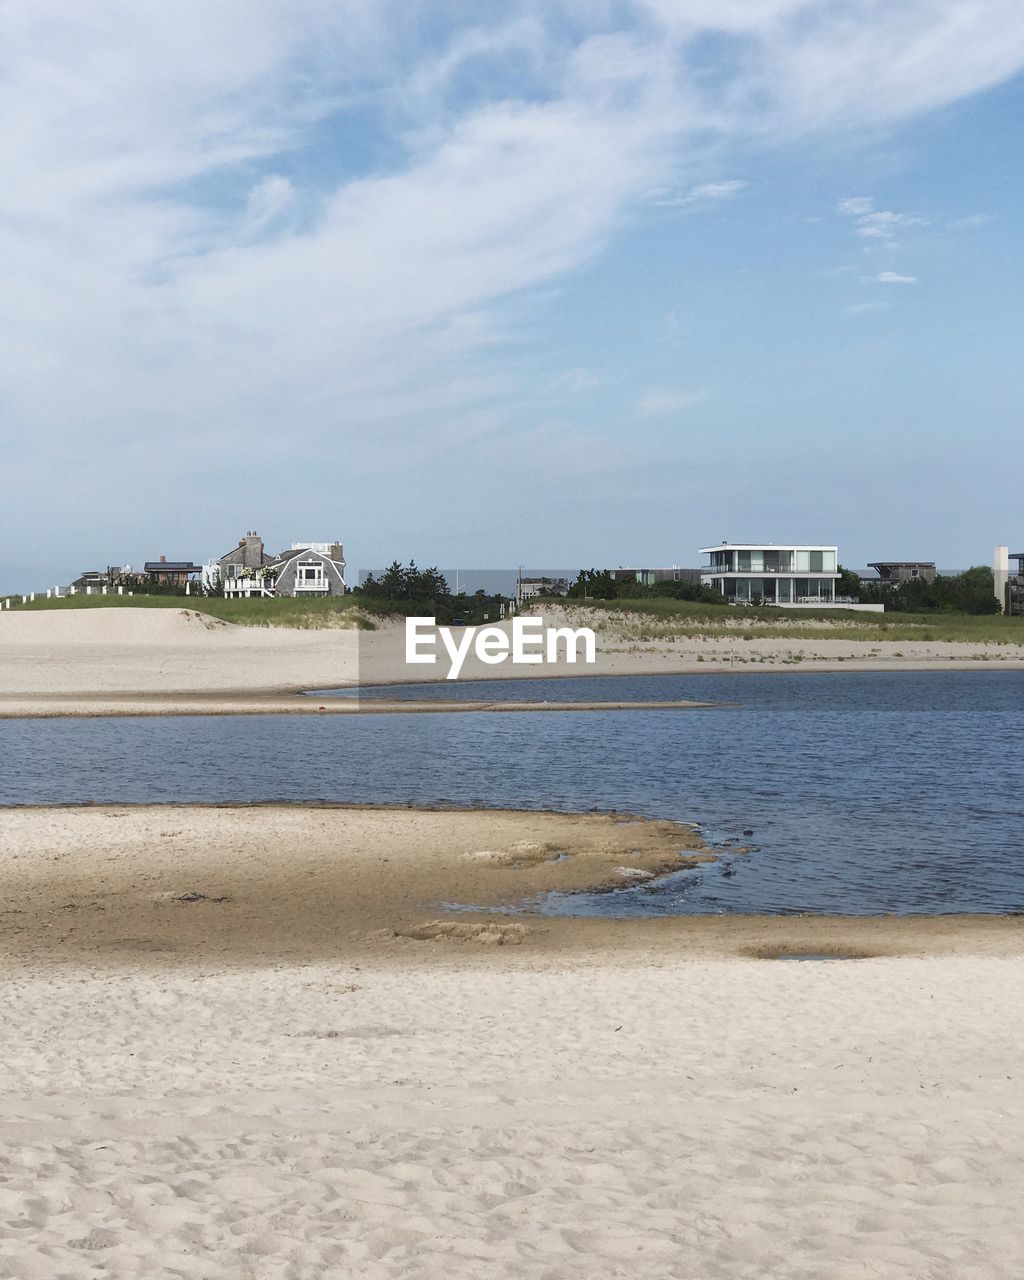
[593, 584]
[413, 592]
[660, 619]
[328, 611]
[398, 592]
[969, 592]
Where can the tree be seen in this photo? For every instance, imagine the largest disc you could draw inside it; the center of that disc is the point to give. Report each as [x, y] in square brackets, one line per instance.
[849, 584]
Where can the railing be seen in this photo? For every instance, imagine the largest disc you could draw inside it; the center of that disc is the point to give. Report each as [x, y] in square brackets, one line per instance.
[251, 586]
[761, 572]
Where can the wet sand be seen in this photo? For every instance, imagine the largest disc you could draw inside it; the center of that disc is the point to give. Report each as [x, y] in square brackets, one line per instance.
[245, 1044]
[266, 884]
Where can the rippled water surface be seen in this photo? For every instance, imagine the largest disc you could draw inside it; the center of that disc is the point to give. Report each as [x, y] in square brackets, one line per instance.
[865, 793]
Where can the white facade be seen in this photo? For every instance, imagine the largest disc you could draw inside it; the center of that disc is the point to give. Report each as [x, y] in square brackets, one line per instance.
[791, 575]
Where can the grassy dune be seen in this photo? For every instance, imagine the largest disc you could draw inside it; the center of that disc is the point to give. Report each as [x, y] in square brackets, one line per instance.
[647, 620]
[327, 612]
[636, 621]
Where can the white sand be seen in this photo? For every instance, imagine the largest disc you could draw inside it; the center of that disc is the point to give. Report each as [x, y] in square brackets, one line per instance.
[633, 1102]
[719, 1119]
[115, 661]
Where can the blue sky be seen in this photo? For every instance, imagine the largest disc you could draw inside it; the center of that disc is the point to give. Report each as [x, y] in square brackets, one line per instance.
[550, 283]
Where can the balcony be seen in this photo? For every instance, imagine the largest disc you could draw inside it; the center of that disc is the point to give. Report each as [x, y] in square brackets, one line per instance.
[250, 587]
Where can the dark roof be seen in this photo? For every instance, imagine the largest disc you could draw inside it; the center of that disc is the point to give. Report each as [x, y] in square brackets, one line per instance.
[171, 566]
[902, 564]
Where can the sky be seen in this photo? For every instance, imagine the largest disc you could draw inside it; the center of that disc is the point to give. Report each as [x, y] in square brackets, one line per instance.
[572, 282]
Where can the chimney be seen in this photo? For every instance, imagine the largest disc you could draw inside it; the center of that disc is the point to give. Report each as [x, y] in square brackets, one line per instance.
[163, 559]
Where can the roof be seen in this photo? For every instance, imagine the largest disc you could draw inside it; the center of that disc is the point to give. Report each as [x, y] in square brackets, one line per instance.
[171, 566]
[769, 546]
[287, 556]
[902, 564]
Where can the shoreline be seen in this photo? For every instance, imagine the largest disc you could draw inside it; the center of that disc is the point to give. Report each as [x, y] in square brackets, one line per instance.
[298, 700]
[87, 706]
[115, 886]
[143, 662]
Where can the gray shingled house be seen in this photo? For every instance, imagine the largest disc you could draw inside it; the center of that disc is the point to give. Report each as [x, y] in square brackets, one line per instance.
[305, 569]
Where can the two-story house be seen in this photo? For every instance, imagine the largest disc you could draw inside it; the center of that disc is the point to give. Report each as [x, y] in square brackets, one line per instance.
[305, 569]
[790, 575]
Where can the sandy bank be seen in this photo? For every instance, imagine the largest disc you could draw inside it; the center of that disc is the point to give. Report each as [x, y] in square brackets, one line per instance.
[164, 661]
[270, 884]
[260, 1089]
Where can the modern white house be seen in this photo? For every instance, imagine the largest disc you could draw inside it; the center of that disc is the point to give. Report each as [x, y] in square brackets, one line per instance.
[790, 575]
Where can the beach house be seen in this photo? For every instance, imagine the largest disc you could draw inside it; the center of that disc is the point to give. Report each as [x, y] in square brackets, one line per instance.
[792, 575]
[305, 569]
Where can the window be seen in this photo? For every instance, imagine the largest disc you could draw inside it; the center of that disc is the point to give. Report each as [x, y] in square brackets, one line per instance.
[234, 570]
[310, 573]
[816, 565]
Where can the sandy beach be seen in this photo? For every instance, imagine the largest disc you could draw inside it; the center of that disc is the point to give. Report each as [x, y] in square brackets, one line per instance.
[259, 1043]
[169, 661]
[222, 1089]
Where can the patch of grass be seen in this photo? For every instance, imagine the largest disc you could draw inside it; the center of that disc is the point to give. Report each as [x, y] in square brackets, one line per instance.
[661, 619]
[328, 612]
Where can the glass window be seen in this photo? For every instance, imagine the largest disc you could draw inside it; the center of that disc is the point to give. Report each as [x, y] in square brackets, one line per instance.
[743, 561]
[828, 562]
[802, 561]
[815, 565]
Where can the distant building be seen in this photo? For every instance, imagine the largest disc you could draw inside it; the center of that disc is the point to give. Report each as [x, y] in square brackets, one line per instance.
[89, 581]
[649, 577]
[896, 572]
[756, 573]
[250, 555]
[116, 579]
[1015, 586]
[1009, 584]
[790, 575]
[171, 573]
[305, 569]
[531, 588]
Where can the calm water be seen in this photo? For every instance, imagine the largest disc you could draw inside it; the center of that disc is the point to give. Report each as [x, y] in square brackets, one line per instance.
[865, 793]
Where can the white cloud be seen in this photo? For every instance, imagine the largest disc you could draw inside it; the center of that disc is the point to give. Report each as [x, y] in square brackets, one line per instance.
[855, 206]
[658, 400]
[249, 228]
[876, 224]
[893, 277]
[884, 224]
[707, 193]
[972, 220]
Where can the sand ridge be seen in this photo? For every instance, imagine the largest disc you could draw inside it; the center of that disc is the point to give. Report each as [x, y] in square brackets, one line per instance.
[125, 661]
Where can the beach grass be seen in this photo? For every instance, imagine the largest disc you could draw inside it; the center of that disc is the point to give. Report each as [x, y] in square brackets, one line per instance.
[662, 619]
[341, 612]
